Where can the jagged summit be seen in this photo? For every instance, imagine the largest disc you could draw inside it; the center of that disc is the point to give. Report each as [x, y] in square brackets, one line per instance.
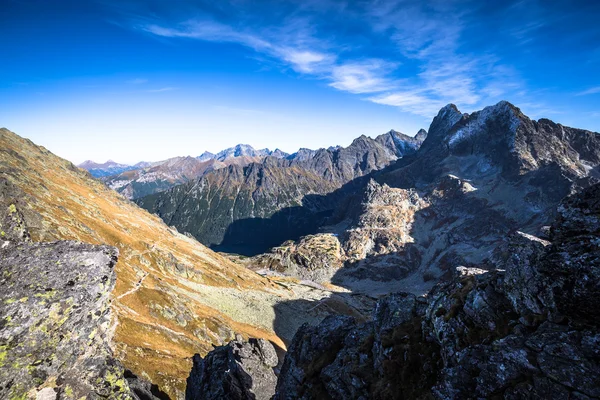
[206, 156]
[88, 164]
[241, 150]
[421, 135]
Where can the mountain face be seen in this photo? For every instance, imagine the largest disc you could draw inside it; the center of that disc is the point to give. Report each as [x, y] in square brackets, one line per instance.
[237, 205]
[172, 298]
[528, 329]
[248, 209]
[476, 178]
[108, 168]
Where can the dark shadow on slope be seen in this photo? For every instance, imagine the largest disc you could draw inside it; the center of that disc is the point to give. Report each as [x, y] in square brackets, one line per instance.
[461, 228]
[252, 236]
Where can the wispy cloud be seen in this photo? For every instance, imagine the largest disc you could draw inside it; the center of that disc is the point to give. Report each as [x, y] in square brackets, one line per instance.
[429, 37]
[592, 90]
[363, 77]
[163, 89]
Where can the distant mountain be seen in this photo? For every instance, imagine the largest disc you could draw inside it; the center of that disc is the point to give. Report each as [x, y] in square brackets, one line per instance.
[105, 169]
[146, 178]
[250, 208]
[241, 150]
[158, 176]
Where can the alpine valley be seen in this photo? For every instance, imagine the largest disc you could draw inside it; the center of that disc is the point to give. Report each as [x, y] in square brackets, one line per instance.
[461, 262]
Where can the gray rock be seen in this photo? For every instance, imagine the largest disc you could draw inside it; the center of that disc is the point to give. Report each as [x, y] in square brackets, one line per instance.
[55, 331]
[238, 370]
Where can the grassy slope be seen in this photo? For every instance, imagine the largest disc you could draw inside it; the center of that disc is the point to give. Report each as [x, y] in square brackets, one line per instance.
[164, 315]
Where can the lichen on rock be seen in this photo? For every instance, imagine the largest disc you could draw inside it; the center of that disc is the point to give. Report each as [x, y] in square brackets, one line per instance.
[56, 328]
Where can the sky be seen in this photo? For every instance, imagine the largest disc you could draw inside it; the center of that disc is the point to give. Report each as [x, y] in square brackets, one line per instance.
[134, 80]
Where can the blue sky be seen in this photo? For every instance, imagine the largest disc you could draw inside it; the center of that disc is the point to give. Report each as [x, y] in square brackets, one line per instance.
[139, 80]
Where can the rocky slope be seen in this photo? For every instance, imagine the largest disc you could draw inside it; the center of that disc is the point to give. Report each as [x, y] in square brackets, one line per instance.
[475, 179]
[529, 329]
[173, 297]
[248, 209]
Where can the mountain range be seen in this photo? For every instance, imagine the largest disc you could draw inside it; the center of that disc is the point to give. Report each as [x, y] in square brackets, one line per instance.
[145, 178]
[248, 208]
[462, 262]
[475, 179]
[241, 150]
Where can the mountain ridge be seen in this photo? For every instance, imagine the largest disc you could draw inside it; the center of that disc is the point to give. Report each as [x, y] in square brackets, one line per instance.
[476, 178]
[215, 207]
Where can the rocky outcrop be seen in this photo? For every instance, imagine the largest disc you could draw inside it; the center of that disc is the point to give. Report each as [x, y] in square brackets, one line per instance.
[56, 329]
[240, 370]
[377, 245]
[314, 257]
[527, 330]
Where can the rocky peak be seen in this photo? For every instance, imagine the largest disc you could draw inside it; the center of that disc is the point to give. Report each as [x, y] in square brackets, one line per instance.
[360, 141]
[421, 135]
[278, 153]
[446, 118]
[504, 115]
[302, 154]
[207, 156]
[239, 150]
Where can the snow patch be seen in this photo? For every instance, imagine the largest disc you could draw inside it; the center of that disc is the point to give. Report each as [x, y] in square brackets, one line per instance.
[478, 125]
[119, 184]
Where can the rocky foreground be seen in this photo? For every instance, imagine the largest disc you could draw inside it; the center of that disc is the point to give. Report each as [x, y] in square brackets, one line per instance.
[56, 329]
[526, 330]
